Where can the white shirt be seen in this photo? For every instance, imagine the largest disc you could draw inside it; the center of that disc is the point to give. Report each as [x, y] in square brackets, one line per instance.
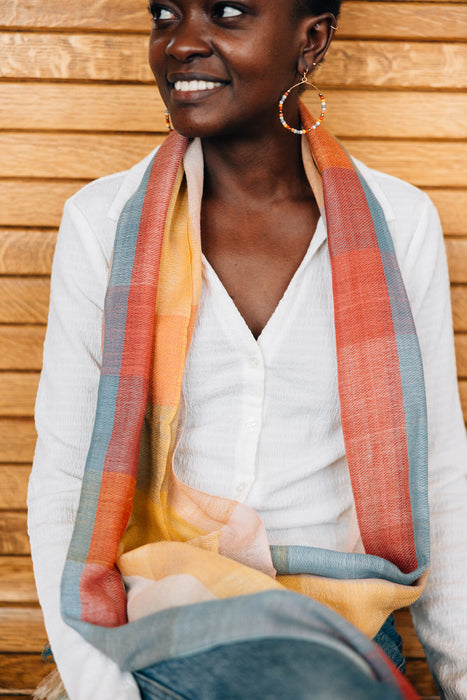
[310, 434]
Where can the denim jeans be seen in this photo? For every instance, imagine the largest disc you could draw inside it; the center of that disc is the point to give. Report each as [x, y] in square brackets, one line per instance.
[266, 669]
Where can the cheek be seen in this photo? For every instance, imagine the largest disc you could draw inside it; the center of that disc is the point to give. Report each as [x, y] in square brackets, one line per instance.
[156, 58]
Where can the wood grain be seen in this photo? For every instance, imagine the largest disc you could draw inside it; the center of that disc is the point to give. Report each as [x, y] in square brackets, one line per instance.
[14, 538]
[26, 251]
[394, 64]
[94, 155]
[17, 440]
[418, 673]
[71, 155]
[414, 162]
[21, 671]
[404, 625]
[64, 106]
[17, 582]
[422, 20]
[24, 299]
[13, 489]
[456, 250]
[461, 354]
[34, 203]
[21, 347]
[22, 629]
[463, 396]
[110, 15]
[459, 307]
[417, 65]
[18, 393]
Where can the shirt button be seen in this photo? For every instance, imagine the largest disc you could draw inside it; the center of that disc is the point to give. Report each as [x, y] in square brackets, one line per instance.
[254, 362]
[240, 487]
[252, 423]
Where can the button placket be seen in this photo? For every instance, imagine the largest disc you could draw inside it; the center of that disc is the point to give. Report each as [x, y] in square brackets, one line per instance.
[252, 410]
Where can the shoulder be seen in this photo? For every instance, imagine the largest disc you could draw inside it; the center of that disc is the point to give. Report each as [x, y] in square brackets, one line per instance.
[410, 214]
[94, 210]
[415, 230]
[399, 200]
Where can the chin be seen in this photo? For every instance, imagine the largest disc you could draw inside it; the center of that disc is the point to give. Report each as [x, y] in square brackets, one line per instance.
[193, 129]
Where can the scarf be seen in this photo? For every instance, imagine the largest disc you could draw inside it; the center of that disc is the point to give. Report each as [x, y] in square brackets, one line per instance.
[156, 568]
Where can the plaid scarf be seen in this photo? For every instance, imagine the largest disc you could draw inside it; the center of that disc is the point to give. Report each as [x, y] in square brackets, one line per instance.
[194, 566]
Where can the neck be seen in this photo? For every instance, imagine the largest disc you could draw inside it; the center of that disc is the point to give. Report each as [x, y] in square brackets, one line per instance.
[268, 166]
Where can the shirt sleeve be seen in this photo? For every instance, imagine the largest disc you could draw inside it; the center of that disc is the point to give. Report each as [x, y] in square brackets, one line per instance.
[65, 409]
[440, 616]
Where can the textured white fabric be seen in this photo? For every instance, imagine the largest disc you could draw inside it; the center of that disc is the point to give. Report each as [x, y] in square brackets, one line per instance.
[263, 400]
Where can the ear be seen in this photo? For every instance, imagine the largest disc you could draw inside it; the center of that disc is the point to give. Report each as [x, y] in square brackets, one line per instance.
[318, 32]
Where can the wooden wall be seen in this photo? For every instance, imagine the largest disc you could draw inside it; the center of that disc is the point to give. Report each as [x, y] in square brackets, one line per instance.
[77, 102]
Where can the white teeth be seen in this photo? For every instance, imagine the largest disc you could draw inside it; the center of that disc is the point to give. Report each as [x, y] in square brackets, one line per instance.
[195, 85]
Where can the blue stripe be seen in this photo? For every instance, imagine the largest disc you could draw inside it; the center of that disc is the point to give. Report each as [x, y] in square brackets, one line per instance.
[115, 320]
[412, 380]
[339, 565]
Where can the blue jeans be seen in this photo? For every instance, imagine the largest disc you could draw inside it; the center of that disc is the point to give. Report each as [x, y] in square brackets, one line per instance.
[265, 669]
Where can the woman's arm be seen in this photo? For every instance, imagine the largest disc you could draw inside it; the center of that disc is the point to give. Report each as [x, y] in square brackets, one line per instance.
[440, 615]
[65, 410]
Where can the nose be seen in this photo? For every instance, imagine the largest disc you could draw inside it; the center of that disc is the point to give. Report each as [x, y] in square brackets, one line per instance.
[190, 39]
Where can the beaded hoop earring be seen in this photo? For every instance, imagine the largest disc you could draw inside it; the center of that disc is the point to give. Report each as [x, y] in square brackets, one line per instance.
[300, 132]
[167, 120]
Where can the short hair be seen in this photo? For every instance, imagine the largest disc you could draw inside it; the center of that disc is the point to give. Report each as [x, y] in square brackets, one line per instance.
[318, 7]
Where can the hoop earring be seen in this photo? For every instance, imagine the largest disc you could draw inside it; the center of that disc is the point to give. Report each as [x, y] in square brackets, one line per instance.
[167, 120]
[300, 132]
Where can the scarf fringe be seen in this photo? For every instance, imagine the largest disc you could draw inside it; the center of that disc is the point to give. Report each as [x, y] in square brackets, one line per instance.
[51, 688]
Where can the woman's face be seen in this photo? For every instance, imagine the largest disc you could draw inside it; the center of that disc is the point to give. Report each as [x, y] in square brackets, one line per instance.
[221, 67]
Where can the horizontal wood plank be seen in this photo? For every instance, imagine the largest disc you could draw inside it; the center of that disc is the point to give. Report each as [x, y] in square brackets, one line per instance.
[26, 251]
[463, 397]
[18, 393]
[34, 203]
[394, 64]
[358, 19]
[71, 155]
[461, 354]
[24, 299]
[21, 347]
[22, 671]
[14, 538]
[110, 15]
[404, 625]
[93, 155]
[22, 629]
[17, 442]
[459, 307]
[17, 582]
[411, 20]
[418, 65]
[414, 162]
[418, 673]
[62, 106]
[13, 488]
[456, 250]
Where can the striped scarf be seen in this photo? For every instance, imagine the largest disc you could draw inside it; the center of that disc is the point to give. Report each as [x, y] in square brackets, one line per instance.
[156, 568]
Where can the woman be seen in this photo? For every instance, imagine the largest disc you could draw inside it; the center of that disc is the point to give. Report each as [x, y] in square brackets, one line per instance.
[293, 469]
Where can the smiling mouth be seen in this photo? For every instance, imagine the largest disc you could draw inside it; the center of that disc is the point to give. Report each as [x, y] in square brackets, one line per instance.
[196, 85]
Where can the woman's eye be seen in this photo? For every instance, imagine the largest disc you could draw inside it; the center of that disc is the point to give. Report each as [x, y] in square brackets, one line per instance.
[228, 11]
[160, 13]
